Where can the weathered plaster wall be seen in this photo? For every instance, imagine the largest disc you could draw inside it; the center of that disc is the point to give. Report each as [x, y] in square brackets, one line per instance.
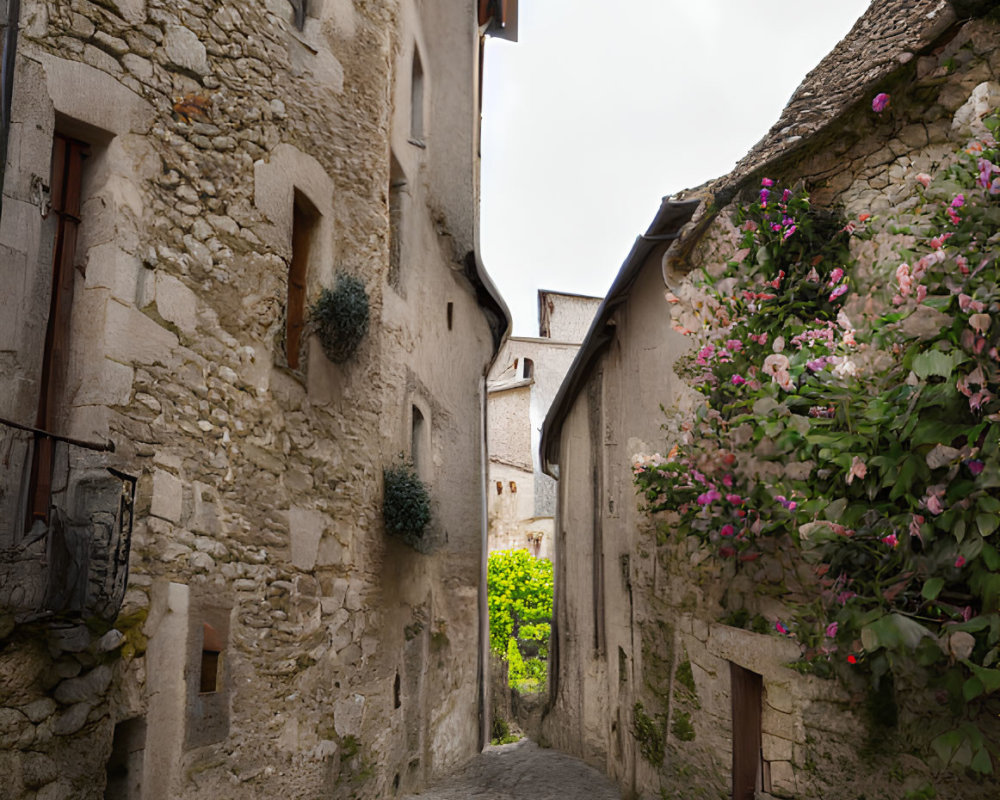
[658, 604]
[348, 667]
[565, 317]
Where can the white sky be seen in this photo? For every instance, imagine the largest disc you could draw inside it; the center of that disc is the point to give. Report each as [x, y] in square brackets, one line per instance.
[600, 109]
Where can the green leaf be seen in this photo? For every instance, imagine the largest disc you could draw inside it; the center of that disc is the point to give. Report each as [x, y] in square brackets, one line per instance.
[990, 678]
[835, 510]
[991, 557]
[946, 744]
[933, 362]
[987, 523]
[981, 762]
[932, 588]
[971, 689]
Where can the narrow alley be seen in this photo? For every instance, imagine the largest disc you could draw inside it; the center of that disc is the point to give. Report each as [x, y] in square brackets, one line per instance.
[522, 770]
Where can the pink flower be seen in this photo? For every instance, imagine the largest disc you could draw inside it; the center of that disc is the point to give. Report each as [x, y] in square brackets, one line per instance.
[923, 179]
[843, 597]
[852, 659]
[766, 182]
[921, 293]
[787, 195]
[890, 540]
[764, 194]
[959, 201]
[735, 499]
[933, 504]
[835, 276]
[727, 530]
[727, 481]
[960, 562]
[915, 522]
[967, 304]
[880, 102]
[842, 289]
[858, 470]
[963, 264]
[780, 628]
[831, 630]
[708, 497]
[737, 380]
[975, 466]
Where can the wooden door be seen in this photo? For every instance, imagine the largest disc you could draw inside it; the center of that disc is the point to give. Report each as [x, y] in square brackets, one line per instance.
[746, 691]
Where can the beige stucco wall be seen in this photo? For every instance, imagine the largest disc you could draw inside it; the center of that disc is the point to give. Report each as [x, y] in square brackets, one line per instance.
[351, 661]
[658, 613]
[565, 317]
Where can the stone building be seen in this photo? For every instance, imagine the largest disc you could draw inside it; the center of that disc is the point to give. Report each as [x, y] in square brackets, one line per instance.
[198, 597]
[522, 382]
[639, 658]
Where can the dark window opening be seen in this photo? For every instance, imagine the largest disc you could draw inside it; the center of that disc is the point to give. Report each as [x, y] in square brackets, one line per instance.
[417, 99]
[397, 186]
[67, 189]
[418, 443]
[396, 699]
[305, 219]
[211, 652]
[124, 768]
[499, 487]
[529, 368]
[746, 694]
[513, 487]
[451, 311]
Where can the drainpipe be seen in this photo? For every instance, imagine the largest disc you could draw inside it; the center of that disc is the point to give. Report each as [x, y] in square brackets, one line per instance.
[9, 45]
[483, 671]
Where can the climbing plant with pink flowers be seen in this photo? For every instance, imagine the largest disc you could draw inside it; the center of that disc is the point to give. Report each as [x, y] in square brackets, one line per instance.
[851, 422]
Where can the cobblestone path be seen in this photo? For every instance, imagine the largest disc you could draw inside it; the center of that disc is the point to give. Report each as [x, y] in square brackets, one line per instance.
[522, 771]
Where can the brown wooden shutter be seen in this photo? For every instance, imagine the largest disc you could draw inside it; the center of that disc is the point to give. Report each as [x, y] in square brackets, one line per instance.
[746, 692]
[303, 224]
[66, 183]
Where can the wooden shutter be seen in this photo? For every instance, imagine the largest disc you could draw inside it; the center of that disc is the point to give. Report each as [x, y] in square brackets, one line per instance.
[304, 218]
[746, 691]
[67, 170]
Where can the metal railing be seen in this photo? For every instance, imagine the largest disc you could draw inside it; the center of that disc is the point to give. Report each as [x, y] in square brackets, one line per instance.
[69, 560]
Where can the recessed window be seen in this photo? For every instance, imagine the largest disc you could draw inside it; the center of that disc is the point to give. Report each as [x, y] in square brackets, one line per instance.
[417, 99]
[397, 700]
[305, 222]
[418, 443]
[499, 487]
[211, 652]
[451, 313]
[397, 187]
[513, 487]
[528, 370]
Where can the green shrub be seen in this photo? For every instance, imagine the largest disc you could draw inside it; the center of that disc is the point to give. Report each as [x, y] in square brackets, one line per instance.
[340, 317]
[648, 733]
[406, 505]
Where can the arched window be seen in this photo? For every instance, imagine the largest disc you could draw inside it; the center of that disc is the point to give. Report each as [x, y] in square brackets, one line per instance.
[528, 369]
[305, 220]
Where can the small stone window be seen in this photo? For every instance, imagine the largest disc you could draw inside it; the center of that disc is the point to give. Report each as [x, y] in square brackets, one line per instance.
[528, 370]
[397, 187]
[451, 312]
[513, 487]
[499, 487]
[211, 651]
[419, 443]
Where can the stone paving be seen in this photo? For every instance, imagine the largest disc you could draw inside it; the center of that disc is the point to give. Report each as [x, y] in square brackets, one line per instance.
[523, 770]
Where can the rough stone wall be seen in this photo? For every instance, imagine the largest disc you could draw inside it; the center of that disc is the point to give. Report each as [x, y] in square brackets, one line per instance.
[665, 648]
[347, 666]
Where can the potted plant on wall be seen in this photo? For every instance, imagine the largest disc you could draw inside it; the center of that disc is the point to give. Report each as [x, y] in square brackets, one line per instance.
[406, 505]
[340, 317]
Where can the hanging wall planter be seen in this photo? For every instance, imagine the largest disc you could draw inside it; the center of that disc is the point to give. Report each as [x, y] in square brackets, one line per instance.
[406, 505]
[340, 317]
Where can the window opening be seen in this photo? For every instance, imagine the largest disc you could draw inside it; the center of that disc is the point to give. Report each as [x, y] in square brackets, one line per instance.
[417, 442]
[211, 651]
[397, 185]
[66, 191]
[417, 99]
[305, 219]
[396, 699]
[529, 368]
[451, 311]
[124, 768]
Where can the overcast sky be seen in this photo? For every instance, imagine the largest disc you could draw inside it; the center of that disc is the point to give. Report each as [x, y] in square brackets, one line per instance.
[600, 109]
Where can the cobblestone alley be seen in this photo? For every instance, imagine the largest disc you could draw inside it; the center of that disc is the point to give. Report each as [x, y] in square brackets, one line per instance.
[523, 770]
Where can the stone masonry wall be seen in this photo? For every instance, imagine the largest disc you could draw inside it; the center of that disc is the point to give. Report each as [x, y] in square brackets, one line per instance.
[347, 669]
